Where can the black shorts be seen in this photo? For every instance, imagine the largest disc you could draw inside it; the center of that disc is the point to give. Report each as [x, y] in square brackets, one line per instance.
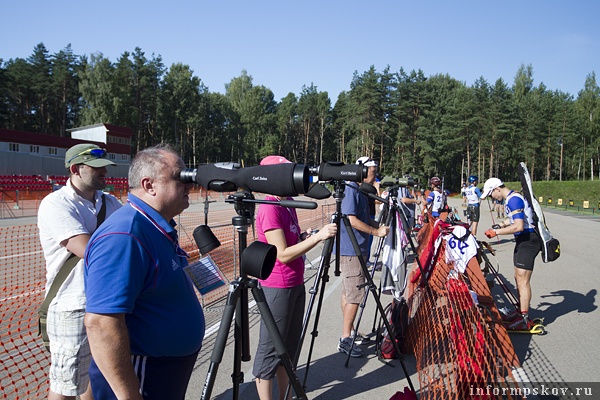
[473, 213]
[527, 248]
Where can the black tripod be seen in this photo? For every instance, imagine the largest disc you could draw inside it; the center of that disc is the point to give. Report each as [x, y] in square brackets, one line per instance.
[323, 274]
[391, 213]
[256, 260]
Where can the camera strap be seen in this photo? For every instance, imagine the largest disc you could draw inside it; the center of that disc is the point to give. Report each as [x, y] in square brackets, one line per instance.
[60, 278]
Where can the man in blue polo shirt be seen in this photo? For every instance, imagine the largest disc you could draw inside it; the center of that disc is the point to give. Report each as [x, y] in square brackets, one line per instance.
[143, 319]
[356, 206]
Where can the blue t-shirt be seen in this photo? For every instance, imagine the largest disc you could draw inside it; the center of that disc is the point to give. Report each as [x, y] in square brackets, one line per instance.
[357, 204]
[132, 267]
[518, 208]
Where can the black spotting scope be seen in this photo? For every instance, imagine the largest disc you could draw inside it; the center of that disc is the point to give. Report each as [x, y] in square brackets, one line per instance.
[283, 180]
[338, 171]
[402, 182]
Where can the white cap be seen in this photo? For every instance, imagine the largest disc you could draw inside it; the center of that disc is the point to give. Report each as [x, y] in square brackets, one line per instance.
[366, 161]
[490, 185]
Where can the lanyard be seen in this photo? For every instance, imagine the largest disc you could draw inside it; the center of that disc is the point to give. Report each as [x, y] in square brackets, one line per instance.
[178, 250]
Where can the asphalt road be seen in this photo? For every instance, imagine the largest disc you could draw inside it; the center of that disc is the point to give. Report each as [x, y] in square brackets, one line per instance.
[564, 293]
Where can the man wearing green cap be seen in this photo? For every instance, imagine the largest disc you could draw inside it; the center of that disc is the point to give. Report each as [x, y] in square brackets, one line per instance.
[66, 220]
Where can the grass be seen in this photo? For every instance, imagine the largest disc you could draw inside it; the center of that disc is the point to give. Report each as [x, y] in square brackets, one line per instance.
[572, 193]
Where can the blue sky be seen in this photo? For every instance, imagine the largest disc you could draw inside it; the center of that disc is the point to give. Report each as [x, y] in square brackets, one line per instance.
[284, 45]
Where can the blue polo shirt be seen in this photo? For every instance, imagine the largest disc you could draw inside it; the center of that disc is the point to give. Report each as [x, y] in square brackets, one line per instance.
[357, 204]
[132, 267]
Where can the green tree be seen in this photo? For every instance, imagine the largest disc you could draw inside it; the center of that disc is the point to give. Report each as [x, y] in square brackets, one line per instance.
[41, 88]
[19, 95]
[255, 107]
[178, 105]
[308, 113]
[286, 142]
[588, 109]
[66, 68]
[526, 115]
[412, 101]
[96, 88]
[146, 79]
[366, 105]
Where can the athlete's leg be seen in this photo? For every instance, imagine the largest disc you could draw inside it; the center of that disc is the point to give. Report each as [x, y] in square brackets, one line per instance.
[523, 282]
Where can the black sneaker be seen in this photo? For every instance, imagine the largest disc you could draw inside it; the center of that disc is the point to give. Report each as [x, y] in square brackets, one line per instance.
[345, 346]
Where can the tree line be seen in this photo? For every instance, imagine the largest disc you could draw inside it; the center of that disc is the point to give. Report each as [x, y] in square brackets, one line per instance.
[411, 123]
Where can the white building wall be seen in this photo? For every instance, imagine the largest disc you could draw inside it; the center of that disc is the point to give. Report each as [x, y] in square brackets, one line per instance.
[92, 133]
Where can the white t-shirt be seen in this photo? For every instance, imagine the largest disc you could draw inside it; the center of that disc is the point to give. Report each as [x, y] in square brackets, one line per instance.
[62, 215]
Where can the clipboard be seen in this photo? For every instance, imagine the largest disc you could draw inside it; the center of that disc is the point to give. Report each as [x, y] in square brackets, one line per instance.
[205, 275]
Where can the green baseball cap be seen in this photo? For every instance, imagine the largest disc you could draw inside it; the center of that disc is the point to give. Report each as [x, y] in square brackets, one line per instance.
[88, 154]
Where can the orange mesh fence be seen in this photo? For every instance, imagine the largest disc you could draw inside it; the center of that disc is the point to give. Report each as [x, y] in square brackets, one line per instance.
[24, 360]
[459, 343]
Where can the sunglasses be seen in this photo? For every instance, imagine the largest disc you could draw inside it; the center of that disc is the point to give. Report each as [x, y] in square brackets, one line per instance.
[98, 153]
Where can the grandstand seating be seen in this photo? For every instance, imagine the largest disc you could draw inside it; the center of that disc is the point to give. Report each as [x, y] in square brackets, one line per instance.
[24, 183]
[35, 186]
[35, 183]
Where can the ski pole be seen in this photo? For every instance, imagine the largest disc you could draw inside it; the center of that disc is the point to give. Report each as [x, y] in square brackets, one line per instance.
[492, 215]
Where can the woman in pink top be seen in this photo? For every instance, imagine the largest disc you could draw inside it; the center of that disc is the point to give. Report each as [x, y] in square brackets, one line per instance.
[284, 288]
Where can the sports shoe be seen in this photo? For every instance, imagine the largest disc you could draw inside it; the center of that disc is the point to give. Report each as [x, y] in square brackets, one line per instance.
[520, 324]
[509, 315]
[345, 346]
[360, 339]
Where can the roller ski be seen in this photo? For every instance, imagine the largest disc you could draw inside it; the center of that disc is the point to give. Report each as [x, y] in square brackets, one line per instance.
[522, 324]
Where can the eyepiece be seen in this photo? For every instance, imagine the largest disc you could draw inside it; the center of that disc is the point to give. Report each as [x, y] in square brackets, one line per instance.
[188, 175]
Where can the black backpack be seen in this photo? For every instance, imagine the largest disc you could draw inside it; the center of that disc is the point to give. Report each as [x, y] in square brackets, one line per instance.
[397, 314]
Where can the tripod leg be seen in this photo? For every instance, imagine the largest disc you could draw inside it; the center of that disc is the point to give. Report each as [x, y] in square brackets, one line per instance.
[325, 259]
[362, 305]
[221, 340]
[278, 342]
[324, 270]
[372, 287]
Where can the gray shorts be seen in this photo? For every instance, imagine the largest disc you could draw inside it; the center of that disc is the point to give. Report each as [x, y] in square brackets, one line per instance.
[287, 307]
[69, 352]
[352, 277]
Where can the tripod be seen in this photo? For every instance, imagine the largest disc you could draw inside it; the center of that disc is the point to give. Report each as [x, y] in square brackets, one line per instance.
[237, 300]
[323, 274]
[394, 209]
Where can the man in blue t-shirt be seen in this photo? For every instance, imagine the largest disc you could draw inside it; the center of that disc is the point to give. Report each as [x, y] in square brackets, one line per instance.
[356, 207]
[143, 319]
[519, 222]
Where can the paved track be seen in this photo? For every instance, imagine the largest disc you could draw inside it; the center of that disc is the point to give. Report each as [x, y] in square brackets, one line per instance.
[564, 293]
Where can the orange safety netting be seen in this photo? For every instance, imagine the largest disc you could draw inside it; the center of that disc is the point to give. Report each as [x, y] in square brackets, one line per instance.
[462, 350]
[24, 360]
